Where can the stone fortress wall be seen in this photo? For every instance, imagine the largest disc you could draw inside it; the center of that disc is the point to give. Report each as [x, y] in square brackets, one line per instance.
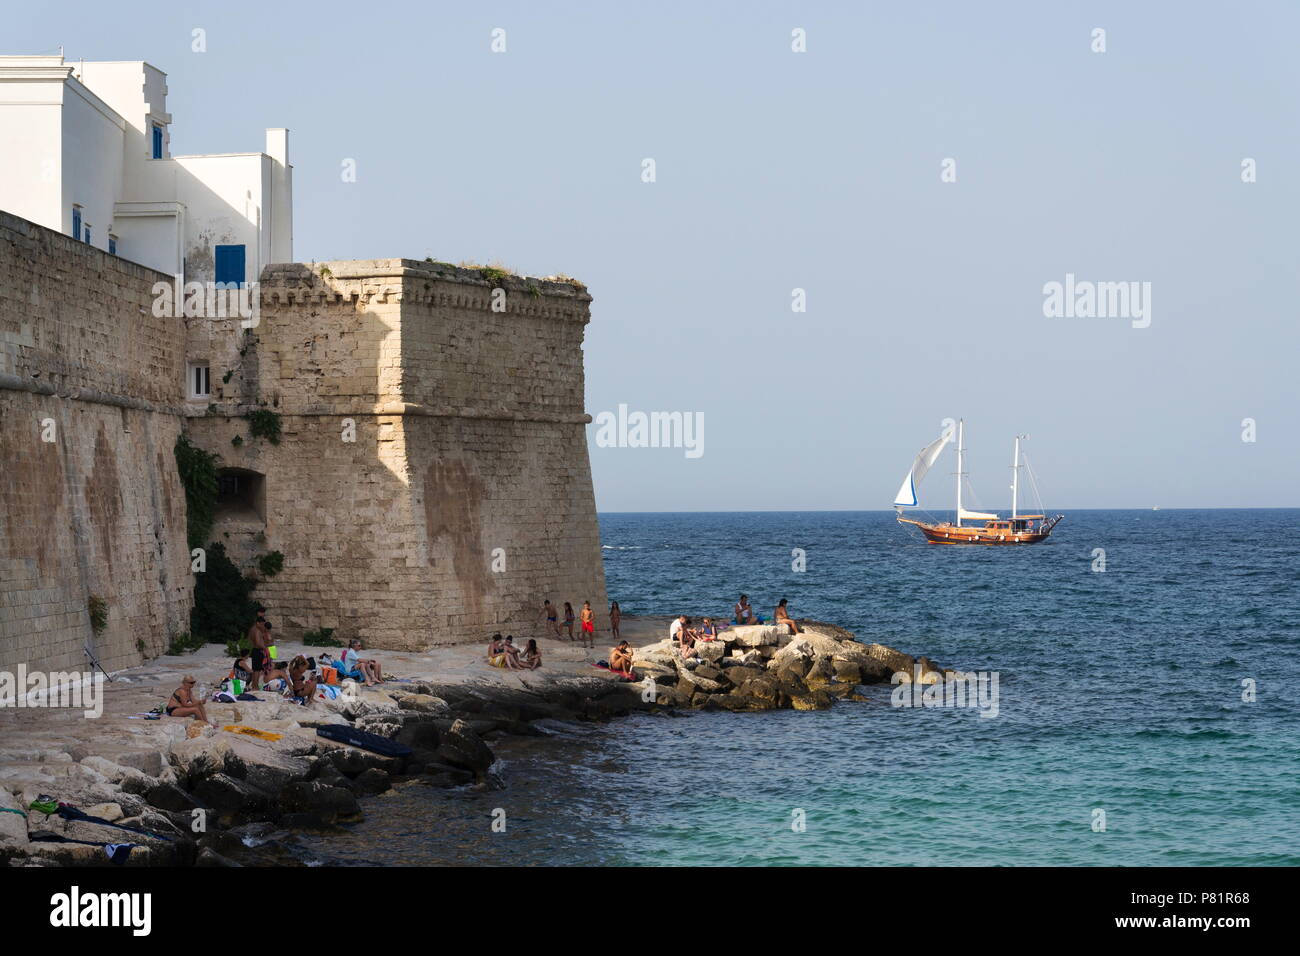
[431, 483]
[91, 504]
[465, 497]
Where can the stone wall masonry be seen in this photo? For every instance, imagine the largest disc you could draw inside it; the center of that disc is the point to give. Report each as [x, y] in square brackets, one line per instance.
[98, 510]
[469, 434]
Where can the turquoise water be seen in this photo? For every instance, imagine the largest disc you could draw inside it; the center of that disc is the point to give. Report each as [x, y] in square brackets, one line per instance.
[1120, 691]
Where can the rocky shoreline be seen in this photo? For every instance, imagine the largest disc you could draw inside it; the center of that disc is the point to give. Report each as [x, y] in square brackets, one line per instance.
[221, 798]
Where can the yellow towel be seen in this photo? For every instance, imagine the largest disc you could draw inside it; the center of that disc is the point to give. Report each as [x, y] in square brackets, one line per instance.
[252, 732]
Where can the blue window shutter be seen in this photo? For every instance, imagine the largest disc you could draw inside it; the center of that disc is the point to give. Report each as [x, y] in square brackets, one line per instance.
[87, 234]
[157, 142]
[76, 222]
[112, 246]
[230, 264]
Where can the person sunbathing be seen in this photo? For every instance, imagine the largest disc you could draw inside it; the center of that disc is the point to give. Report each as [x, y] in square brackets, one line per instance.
[531, 658]
[183, 704]
[496, 654]
[301, 683]
[354, 666]
[708, 630]
[783, 617]
[744, 614]
[620, 659]
[512, 653]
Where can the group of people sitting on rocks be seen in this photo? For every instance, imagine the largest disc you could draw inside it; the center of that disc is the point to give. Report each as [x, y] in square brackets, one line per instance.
[502, 653]
[744, 614]
[302, 679]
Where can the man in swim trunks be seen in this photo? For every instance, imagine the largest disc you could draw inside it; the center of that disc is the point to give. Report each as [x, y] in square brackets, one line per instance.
[620, 658]
[588, 624]
[551, 615]
[259, 637]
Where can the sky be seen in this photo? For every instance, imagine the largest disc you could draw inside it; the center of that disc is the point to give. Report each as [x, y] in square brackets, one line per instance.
[824, 171]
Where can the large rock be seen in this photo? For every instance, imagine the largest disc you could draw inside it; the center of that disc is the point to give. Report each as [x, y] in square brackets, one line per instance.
[892, 659]
[168, 796]
[229, 795]
[689, 682]
[661, 652]
[13, 826]
[814, 699]
[320, 801]
[423, 703]
[461, 746]
[767, 688]
[712, 651]
[736, 676]
[756, 635]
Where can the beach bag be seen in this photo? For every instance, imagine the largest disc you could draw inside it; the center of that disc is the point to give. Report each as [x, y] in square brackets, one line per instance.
[328, 675]
[273, 651]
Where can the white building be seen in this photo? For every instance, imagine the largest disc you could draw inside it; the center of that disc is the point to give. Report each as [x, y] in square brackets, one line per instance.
[85, 149]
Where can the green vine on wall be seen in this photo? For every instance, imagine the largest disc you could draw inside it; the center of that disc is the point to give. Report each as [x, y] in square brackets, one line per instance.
[98, 608]
[198, 471]
[265, 423]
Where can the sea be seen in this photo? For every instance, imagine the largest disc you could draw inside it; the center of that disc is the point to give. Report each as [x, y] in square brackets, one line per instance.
[1148, 686]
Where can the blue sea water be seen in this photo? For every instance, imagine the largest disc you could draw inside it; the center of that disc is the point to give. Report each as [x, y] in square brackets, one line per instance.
[1120, 691]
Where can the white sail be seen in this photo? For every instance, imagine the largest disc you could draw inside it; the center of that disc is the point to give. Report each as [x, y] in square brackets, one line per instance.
[976, 515]
[906, 497]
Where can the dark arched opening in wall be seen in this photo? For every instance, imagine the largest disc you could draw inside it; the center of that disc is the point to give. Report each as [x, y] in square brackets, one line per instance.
[241, 496]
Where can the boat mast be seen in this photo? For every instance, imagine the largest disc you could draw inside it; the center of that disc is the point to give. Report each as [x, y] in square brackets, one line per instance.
[961, 422]
[1015, 475]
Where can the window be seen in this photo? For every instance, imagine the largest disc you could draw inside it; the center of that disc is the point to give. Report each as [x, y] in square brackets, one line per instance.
[157, 142]
[200, 381]
[112, 244]
[76, 222]
[229, 265]
[87, 232]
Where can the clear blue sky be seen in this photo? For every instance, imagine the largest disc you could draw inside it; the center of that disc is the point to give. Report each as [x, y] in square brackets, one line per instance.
[820, 171]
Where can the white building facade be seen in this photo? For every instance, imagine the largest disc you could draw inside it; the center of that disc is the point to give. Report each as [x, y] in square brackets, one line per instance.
[85, 149]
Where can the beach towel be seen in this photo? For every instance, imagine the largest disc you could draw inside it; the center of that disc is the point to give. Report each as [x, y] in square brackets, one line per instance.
[252, 732]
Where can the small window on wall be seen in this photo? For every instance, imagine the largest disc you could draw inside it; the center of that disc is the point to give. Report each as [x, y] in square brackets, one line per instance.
[87, 232]
[76, 222]
[112, 244]
[157, 142]
[200, 382]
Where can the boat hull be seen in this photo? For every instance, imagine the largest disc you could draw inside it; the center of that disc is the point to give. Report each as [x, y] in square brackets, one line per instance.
[951, 534]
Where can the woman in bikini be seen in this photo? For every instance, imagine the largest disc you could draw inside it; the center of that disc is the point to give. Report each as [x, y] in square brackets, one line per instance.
[183, 704]
[496, 652]
[783, 617]
[301, 685]
[588, 624]
[615, 616]
[531, 659]
[568, 619]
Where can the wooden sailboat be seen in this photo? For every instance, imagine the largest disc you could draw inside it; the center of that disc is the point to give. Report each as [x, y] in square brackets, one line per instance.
[991, 530]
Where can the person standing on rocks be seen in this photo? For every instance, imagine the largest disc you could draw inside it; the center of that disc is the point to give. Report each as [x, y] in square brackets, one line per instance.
[615, 618]
[783, 617]
[588, 625]
[259, 637]
[568, 620]
[552, 619]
